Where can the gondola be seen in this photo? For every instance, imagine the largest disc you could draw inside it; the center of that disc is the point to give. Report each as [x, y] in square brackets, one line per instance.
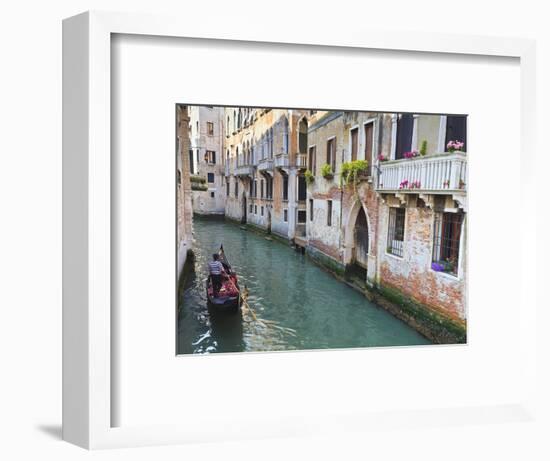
[228, 297]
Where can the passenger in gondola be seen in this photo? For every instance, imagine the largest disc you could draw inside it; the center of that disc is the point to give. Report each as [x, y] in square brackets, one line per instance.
[216, 270]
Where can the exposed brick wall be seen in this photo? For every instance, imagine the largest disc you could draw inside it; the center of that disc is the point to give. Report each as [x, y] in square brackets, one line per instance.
[412, 274]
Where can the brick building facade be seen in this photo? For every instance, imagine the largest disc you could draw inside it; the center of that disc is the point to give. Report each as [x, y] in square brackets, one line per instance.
[397, 230]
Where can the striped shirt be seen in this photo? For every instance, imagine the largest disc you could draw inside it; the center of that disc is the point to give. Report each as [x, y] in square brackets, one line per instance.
[215, 267]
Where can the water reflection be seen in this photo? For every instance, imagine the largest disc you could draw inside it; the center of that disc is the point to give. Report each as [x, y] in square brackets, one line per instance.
[294, 304]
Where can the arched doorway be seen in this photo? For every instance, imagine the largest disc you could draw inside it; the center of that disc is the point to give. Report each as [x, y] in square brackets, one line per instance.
[361, 240]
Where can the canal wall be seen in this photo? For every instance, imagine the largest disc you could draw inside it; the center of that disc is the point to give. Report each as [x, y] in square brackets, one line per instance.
[433, 323]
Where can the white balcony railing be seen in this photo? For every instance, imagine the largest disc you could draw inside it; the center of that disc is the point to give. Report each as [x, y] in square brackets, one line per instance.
[265, 164]
[282, 161]
[301, 160]
[244, 170]
[436, 173]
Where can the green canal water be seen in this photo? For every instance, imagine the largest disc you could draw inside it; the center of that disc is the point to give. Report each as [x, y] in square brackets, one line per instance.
[298, 305]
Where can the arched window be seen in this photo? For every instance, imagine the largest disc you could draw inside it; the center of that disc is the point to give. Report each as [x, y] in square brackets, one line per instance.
[239, 120]
[271, 143]
[237, 156]
[285, 135]
[227, 127]
[302, 136]
[234, 120]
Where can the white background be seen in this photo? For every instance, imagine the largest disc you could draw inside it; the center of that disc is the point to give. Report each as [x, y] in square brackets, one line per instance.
[149, 76]
[30, 240]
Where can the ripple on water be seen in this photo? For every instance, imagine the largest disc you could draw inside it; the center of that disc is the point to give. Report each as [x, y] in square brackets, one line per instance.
[299, 306]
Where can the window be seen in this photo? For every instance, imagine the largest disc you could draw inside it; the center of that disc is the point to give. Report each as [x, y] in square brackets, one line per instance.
[191, 163]
[456, 130]
[255, 209]
[311, 209]
[227, 186]
[312, 159]
[446, 246]
[331, 153]
[255, 188]
[236, 187]
[369, 141]
[301, 216]
[302, 188]
[285, 135]
[354, 140]
[211, 177]
[329, 212]
[285, 215]
[262, 211]
[269, 187]
[302, 136]
[210, 128]
[227, 127]
[210, 157]
[285, 187]
[405, 123]
[251, 207]
[262, 188]
[212, 194]
[198, 128]
[396, 231]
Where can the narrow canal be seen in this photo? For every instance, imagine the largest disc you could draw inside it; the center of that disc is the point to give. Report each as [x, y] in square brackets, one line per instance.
[297, 304]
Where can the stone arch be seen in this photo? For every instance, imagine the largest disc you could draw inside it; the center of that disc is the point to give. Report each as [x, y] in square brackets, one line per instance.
[349, 230]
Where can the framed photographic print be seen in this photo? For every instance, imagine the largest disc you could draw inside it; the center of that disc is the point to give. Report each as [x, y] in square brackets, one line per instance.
[281, 236]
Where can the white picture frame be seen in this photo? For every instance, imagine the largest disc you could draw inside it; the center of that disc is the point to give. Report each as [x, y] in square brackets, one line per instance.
[87, 361]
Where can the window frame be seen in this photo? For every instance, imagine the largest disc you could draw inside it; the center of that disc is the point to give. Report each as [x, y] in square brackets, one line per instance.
[390, 239]
[438, 229]
[332, 163]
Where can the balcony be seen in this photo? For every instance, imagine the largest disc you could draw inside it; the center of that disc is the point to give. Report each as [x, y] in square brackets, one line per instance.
[265, 165]
[439, 174]
[301, 160]
[244, 170]
[282, 161]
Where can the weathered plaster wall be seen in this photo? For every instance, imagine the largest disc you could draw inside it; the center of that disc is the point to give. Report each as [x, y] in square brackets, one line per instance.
[428, 129]
[184, 205]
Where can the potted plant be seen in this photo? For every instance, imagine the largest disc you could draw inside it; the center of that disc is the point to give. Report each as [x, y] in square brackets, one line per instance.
[353, 170]
[454, 146]
[411, 154]
[309, 177]
[382, 158]
[423, 147]
[326, 171]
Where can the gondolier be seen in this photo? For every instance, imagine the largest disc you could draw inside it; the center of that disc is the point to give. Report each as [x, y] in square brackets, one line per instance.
[215, 267]
[222, 286]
